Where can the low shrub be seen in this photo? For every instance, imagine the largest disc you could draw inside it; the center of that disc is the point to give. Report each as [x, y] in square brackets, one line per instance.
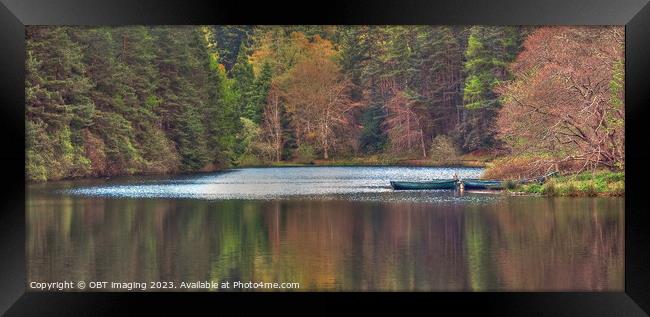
[250, 160]
[614, 177]
[550, 188]
[443, 151]
[305, 154]
[532, 188]
[616, 188]
[588, 188]
[570, 189]
[510, 184]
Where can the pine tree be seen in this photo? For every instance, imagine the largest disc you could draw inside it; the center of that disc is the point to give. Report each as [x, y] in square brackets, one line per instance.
[257, 94]
[244, 80]
[489, 50]
[372, 139]
[136, 49]
[58, 105]
[360, 54]
[222, 116]
[114, 99]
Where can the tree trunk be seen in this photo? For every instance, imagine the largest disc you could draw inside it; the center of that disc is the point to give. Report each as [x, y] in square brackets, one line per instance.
[325, 146]
[424, 148]
[408, 132]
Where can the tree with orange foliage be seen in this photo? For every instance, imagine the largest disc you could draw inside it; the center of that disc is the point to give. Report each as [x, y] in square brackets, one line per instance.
[317, 99]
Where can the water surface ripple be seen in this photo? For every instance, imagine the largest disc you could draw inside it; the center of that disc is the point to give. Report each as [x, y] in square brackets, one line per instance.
[356, 183]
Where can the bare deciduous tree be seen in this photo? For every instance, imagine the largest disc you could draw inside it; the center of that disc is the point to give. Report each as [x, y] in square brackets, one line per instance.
[272, 124]
[404, 125]
[566, 102]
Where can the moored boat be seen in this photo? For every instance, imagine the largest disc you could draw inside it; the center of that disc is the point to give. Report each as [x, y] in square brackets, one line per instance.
[434, 184]
[482, 184]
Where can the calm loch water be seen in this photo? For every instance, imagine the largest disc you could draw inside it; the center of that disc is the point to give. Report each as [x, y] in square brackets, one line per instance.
[327, 228]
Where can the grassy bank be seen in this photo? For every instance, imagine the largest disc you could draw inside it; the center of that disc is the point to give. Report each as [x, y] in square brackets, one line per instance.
[469, 160]
[586, 184]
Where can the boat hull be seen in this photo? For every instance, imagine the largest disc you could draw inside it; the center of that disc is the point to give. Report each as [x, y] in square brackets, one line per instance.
[479, 184]
[446, 184]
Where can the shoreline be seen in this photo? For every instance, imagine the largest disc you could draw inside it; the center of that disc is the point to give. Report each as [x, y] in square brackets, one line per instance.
[403, 163]
[601, 183]
[373, 161]
[365, 164]
[586, 184]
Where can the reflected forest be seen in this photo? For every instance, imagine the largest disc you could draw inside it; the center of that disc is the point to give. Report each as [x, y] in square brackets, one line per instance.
[338, 245]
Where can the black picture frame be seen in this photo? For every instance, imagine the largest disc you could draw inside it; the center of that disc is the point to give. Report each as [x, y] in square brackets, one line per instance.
[15, 14]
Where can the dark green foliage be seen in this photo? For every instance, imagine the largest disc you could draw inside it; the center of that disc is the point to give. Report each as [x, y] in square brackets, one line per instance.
[245, 85]
[58, 105]
[257, 93]
[489, 51]
[360, 61]
[353, 54]
[305, 154]
[373, 138]
[123, 100]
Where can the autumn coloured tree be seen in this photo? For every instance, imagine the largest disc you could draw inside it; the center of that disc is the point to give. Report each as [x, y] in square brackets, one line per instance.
[405, 125]
[565, 105]
[317, 98]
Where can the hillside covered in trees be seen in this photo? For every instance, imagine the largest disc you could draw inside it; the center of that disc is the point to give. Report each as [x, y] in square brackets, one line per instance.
[104, 101]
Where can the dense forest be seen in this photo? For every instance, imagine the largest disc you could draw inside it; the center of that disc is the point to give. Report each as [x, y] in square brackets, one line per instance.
[104, 101]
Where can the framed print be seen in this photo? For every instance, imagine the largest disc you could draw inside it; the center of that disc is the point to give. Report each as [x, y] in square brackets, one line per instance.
[389, 154]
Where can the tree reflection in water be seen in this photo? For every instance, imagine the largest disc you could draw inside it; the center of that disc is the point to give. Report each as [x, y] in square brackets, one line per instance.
[517, 243]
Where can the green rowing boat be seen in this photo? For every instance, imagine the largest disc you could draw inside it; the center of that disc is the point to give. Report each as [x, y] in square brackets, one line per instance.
[435, 184]
[482, 184]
